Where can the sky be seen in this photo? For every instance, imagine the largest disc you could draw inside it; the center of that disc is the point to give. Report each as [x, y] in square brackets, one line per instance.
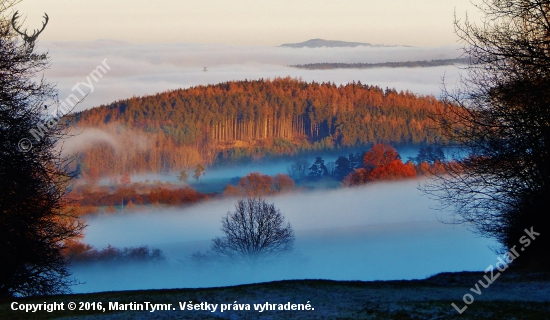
[249, 22]
[163, 45]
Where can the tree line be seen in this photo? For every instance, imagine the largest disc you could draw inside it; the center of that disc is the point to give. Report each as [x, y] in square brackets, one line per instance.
[380, 163]
[91, 199]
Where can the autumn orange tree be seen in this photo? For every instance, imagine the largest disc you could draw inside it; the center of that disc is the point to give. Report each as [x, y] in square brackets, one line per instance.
[283, 183]
[381, 162]
[395, 170]
[125, 179]
[257, 185]
[380, 155]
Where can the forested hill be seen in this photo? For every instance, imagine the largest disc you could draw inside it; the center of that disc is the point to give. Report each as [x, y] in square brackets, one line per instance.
[319, 43]
[240, 119]
[402, 64]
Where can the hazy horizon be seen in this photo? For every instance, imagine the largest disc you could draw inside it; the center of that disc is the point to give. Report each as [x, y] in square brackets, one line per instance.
[240, 22]
[155, 48]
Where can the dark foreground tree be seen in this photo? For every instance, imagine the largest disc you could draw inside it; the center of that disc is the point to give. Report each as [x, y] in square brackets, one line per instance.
[503, 123]
[34, 219]
[255, 230]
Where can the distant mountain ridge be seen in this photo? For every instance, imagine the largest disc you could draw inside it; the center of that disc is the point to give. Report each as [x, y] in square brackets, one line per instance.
[319, 43]
[399, 64]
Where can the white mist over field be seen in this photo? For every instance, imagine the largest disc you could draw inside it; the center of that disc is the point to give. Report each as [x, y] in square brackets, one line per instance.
[378, 232]
[142, 69]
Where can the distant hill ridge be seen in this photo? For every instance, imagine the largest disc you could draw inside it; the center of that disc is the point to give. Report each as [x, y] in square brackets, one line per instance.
[319, 43]
[399, 64]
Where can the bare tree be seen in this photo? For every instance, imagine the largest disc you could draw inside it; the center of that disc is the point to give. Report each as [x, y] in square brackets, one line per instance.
[500, 116]
[298, 170]
[256, 229]
[35, 220]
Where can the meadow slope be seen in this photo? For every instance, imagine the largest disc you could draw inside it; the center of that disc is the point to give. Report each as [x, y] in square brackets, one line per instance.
[512, 296]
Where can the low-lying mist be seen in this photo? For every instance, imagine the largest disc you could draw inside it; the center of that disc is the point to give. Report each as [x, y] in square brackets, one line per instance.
[378, 232]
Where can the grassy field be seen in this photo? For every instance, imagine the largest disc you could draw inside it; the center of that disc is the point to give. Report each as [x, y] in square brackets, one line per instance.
[512, 296]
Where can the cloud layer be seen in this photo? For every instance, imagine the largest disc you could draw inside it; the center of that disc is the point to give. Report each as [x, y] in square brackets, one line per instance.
[142, 69]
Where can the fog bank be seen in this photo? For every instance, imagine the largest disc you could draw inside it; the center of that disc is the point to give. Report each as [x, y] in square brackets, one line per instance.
[382, 231]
